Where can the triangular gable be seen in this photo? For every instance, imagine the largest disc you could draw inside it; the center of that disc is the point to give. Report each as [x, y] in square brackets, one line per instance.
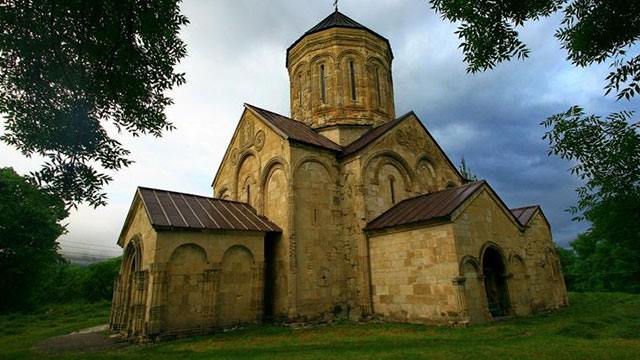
[526, 214]
[135, 203]
[169, 210]
[445, 205]
[229, 146]
[287, 128]
[293, 130]
[376, 134]
[436, 206]
[492, 193]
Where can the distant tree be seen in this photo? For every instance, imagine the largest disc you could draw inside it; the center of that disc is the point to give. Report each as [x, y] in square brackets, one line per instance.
[466, 172]
[567, 260]
[70, 70]
[98, 284]
[606, 153]
[29, 227]
[69, 282]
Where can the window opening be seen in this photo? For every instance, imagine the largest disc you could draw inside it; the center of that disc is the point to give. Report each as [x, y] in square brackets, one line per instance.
[392, 190]
[300, 90]
[378, 87]
[323, 85]
[352, 73]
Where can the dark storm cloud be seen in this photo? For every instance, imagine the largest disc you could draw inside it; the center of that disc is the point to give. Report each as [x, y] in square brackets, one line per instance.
[237, 54]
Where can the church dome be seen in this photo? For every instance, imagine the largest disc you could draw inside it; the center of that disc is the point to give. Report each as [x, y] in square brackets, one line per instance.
[340, 75]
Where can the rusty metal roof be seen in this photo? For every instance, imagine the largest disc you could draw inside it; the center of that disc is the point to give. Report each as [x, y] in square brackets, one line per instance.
[373, 134]
[525, 214]
[295, 130]
[168, 209]
[336, 20]
[429, 207]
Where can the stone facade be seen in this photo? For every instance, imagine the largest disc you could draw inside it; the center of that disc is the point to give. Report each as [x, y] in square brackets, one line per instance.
[175, 283]
[341, 162]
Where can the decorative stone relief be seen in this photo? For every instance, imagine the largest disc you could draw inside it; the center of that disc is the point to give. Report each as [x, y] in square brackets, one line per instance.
[408, 140]
[234, 157]
[247, 136]
[259, 140]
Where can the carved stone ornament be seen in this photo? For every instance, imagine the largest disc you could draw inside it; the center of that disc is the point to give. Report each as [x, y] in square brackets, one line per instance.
[259, 140]
[408, 139]
[234, 156]
[246, 135]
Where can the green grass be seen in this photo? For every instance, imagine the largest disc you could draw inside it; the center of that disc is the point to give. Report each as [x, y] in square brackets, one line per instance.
[595, 326]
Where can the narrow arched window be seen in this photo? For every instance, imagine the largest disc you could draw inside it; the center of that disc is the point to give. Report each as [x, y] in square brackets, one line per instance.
[392, 190]
[300, 90]
[352, 77]
[249, 194]
[323, 85]
[376, 77]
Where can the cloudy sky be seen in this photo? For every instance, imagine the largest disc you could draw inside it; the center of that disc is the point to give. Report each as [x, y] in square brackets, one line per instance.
[237, 55]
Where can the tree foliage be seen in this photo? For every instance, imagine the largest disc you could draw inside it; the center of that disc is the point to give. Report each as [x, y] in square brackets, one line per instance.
[592, 31]
[606, 154]
[466, 172]
[71, 282]
[71, 69]
[29, 227]
[605, 151]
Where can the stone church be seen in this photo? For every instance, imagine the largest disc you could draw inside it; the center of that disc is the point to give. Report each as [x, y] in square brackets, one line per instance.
[341, 210]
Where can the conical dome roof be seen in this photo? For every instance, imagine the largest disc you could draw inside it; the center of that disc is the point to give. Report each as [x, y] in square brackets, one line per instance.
[336, 20]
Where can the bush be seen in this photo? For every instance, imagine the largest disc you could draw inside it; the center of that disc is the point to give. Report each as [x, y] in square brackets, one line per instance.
[99, 278]
[72, 283]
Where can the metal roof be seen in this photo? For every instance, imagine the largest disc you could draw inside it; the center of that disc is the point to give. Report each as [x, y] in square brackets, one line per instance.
[524, 214]
[373, 134]
[295, 130]
[169, 209]
[336, 20]
[433, 206]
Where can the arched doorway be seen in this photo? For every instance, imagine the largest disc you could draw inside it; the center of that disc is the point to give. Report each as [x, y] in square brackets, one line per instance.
[130, 298]
[495, 282]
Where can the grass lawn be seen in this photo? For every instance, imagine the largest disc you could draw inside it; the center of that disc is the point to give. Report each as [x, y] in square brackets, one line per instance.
[595, 326]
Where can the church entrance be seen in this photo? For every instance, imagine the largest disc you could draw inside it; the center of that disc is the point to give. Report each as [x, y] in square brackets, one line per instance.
[270, 281]
[495, 282]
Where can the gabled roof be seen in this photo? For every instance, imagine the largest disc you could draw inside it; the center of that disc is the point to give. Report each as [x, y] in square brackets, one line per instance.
[373, 134]
[336, 20]
[174, 210]
[294, 130]
[525, 214]
[429, 207]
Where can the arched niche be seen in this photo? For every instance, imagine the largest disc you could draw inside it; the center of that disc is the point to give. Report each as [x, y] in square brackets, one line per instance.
[519, 285]
[236, 303]
[300, 90]
[185, 288]
[379, 85]
[426, 178]
[247, 171]
[387, 180]
[316, 237]
[323, 81]
[352, 78]
[474, 294]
